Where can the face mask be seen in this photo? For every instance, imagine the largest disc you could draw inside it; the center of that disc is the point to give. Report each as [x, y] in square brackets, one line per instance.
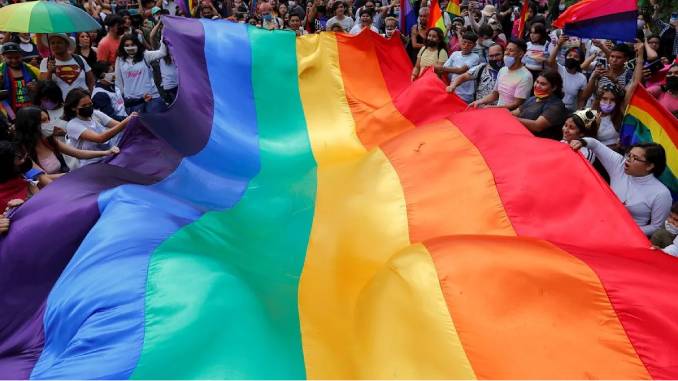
[291, 3]
[47, 129]
[496, 65]
[86, 112]
[131, 50]
[607, 107]
[48, 105]
[431, 43]
[571, 63]
[672, 83]
[670, 227]
[509, 61]
[109, 77]
[540, 93]
[389, 32]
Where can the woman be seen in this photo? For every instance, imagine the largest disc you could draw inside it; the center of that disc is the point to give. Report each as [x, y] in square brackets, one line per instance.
[433, 53]
[418, 34]
[134, 75]
[84, 48]
[609, 103]
[13, 186]
[574, 82]
[49, 97]
[46, 152]
[667, 94]
[633, 178]
[544, 113]
[536, 54]
[340, 16]
[88, 129]
[283, 13]
[105, 96]
[581, 124]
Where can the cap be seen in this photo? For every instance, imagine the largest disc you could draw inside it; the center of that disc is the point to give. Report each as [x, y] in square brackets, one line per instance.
[10, 47]
[65, 37]
[155, 10]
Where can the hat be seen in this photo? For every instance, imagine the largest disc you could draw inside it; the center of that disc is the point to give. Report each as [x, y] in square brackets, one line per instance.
[10, 47]
[587, 116]
[155, 10]
[489, 10]
[64, 36]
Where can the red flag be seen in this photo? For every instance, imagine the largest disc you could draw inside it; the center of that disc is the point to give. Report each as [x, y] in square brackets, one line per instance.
[523, 18]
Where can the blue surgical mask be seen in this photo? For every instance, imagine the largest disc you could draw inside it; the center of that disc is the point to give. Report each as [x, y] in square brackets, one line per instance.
[267, 17]
[509, 61]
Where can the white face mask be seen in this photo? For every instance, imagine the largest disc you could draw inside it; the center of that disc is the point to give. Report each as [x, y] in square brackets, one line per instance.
[47, 129]
[291, 3]
[131, 50]
[109, 77]
[671, 228]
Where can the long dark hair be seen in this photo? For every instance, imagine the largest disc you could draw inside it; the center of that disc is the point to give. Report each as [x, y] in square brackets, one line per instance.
[8, 169]
[618, 115]
[441, 37]
[48, 90]
[140, 48]
[556, 81]
[541, 31]
[28, 133]
[71, 104]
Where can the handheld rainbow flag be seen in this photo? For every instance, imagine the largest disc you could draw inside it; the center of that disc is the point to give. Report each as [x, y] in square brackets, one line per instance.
[647, 121]
[314, 214]
[435, 17]
[608, 19]
[408, 17]
[453, 7]
[186, 6]
[523, 18]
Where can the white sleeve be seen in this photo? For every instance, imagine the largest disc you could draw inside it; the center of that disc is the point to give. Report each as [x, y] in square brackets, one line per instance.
[103, 118]
[43, 65]
[154, 55]
[450, 60]
[118, 76]
[672, 249]
[74, 129]
[612, 161]
[661, 208]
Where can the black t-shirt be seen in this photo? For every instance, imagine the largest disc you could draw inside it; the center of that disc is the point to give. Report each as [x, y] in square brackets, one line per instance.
[552, 108]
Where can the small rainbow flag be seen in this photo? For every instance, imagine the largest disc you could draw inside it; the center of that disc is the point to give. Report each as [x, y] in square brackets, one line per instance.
[523, 18]
[313, 214]
[408, 17]
[435, 18]
[647, 121]
[609, 19]
[453, 7]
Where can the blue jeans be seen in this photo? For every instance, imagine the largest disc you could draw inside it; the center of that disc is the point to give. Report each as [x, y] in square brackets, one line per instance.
[155, 105]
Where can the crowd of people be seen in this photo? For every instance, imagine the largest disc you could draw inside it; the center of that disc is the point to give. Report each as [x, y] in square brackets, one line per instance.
[68, 109]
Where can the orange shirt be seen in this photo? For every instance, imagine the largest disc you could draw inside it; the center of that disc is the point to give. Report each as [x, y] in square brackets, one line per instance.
[108, 49]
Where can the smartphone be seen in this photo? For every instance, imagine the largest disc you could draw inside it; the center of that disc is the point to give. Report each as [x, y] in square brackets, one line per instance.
[601, 62]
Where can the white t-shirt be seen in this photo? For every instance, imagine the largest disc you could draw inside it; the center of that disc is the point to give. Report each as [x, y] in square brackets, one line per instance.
[357, 28]
[76, 126]
[572, 85]
[68, 74]
[346, 23]
[512, 84]
[466, 90]
[135, 79]
[533, 52]
[168, 73]
[607, 134]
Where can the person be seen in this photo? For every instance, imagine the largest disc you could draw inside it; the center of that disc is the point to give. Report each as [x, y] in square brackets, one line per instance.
[269, 21]
[283, 13]
[47, 152]
[458, 63]
[610, 104]
[667, 94]
[89, 129]
[455, 35]
[668, 32]
[49, 98]
[484, 42]
[667, 234]
[484, 74]
[544, 113]
[84, 48]
[633, 178]
[514, 81]
[340, 17]
[69, 71]
[418, 35]
[106, 97]
[13, 186]
[574, 81]
[295, 25]
[433, 53]
[108, 46]
[581, 123]
[536, 55]
[29, 51]
[366, 16]
[17, 78]
[615, 71]
[316, 16]
[134, 76]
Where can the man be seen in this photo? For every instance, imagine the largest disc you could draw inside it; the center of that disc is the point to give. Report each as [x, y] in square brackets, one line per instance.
[294, 24]
[108, 46]
[484, 75]
[616, 72]
[514, 81]
[365, 22]
[17, 77]
[458, 63]
[67, 70]
[667, 32]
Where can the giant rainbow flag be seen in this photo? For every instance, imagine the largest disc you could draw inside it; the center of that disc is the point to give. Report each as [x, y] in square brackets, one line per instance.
[646, 121]
[604, 19]
[313, 214]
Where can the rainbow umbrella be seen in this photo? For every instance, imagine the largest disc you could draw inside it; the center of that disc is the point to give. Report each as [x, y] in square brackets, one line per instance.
[45, 17]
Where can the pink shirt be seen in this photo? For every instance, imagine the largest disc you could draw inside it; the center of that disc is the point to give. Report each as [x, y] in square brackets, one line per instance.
[665, 99]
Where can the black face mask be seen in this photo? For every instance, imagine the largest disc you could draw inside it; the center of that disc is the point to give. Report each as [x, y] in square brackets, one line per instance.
[672, 83]
[571, 63]
[431, 43]
[496, 65]
[86, 112]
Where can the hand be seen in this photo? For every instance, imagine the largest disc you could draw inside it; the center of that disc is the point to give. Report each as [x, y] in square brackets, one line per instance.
[598, 72]
[147, 98]
[113, 151]
[4, 225]
[51, 65]
[133, 115]
[451, 88]
[597, 43]
[639, 47]
[563, 39]
[474, 104]
[646, 74]
[13, 203]
[576, 145]
[438, 68]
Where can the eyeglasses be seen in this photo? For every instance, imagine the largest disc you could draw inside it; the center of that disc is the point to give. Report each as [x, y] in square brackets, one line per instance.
[631, 158]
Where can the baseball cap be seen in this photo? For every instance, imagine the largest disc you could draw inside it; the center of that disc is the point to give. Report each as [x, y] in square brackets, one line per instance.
[10, 47]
